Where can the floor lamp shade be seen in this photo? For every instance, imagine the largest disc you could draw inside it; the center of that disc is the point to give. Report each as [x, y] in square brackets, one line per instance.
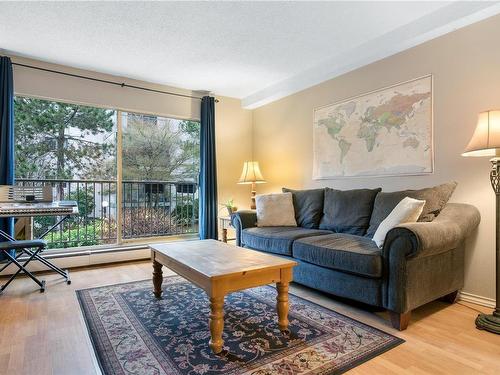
[251, 174]
[486, 142]
[486, 138]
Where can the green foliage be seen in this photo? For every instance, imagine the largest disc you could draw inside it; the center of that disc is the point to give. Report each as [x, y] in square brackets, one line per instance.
[229, 203]
[191, 147]
[186, 211]
[86, 202]
[160, 149]
[41, 224]
[59, 140]
[86, 205]
[87, 235]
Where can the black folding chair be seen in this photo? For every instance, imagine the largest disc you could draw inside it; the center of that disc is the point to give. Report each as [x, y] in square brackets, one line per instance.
[31, 248]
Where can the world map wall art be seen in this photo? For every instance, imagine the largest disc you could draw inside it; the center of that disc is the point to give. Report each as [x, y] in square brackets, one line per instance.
[381, 133]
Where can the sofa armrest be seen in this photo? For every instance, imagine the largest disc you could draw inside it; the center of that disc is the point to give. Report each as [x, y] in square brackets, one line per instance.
[455, 222]
[241, 220]
[425, 261]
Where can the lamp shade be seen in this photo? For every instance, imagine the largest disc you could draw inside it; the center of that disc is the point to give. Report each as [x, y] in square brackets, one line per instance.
[251, 173]
[486, 138]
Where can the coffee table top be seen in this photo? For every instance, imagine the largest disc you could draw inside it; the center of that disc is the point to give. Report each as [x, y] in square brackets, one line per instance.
[216, 259]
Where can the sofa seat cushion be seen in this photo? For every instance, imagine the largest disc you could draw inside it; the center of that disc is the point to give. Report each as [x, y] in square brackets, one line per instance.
[276, 240]
[340, 251]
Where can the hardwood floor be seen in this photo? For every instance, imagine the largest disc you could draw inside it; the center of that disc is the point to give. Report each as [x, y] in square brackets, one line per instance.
[43, 333]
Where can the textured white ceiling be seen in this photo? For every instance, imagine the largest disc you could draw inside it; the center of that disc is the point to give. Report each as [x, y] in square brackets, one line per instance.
[237, 49]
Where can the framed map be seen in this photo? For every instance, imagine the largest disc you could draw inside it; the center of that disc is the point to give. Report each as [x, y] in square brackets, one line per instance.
[384, 132]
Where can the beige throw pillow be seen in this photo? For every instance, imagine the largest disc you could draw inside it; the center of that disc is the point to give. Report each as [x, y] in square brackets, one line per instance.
[406, 211]
[275, 210]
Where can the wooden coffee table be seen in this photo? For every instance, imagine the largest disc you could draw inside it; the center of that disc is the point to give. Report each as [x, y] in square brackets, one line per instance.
[219, 269]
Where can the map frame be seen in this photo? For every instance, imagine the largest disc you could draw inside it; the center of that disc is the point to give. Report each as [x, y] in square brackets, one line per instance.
[317, 176]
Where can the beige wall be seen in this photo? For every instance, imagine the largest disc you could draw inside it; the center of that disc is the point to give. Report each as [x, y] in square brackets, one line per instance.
[234, 146]
[233, 124]
[466, 69]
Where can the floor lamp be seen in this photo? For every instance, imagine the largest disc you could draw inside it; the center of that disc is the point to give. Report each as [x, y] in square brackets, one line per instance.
[486, 142]
[251, 175]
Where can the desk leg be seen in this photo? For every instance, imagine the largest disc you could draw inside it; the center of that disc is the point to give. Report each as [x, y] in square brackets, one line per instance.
[216, 324]
[224, 235]
[157, 278]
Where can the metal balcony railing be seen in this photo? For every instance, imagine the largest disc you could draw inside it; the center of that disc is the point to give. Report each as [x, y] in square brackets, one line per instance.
[147, 209]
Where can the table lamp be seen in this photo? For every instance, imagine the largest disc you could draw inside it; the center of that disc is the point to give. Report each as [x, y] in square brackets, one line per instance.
[486, 142]
[251, 175]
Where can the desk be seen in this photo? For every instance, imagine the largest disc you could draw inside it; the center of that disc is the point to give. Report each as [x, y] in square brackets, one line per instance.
[63, 209]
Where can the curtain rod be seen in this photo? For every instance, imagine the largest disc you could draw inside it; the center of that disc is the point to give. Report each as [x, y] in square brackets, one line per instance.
[123, 84]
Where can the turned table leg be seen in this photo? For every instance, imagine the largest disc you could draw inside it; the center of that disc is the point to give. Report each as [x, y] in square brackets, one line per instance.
[216, 324]
[157, 278]
[282, 305]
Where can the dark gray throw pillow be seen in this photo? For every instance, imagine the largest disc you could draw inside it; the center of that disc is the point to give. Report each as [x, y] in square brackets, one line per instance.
[348, 211]
[308, 205]
[435, 199]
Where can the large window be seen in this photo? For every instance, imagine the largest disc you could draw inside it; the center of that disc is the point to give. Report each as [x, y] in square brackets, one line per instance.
[133, 175]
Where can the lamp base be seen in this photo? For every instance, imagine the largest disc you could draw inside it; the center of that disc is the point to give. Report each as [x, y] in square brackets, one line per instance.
[489, 322]
[254, 192]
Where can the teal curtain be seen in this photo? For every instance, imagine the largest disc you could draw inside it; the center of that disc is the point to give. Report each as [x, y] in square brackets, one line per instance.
[208, 171]
[6, 133]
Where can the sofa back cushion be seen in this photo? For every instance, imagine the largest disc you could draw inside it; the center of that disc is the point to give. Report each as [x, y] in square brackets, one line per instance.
[435, 199]
[275, 210]
[348, 211]
[308, 205]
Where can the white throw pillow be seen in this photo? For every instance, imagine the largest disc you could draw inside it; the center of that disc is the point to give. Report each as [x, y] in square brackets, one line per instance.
[406, 211]
[275, 210]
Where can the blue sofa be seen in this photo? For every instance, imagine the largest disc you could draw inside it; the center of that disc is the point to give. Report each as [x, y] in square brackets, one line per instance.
[419, 262]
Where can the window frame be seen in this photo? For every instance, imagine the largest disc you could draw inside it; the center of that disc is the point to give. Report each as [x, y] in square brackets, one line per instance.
[120, 244]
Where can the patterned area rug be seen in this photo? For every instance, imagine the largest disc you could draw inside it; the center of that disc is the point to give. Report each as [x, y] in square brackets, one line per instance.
[134, 333]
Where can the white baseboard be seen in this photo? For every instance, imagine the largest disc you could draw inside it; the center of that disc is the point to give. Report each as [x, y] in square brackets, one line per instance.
[478, 300]
[85, 259]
